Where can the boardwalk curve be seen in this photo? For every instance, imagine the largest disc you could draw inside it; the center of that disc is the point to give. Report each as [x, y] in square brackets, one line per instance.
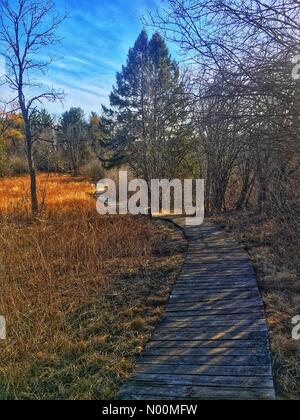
[213, 340]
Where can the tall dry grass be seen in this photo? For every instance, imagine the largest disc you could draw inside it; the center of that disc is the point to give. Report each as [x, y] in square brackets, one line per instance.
[81, 293]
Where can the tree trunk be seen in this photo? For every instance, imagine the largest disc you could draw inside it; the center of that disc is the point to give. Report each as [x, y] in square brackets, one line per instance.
[32, 172]
[262, 195]
[244, 192]
[207, 197]
[29, 147]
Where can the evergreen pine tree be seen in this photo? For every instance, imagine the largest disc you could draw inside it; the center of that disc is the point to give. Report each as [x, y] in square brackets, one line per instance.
[150, 114]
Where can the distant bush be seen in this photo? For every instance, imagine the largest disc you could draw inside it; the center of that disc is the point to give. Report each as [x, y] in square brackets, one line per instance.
[93, 169]
[3, 161]
[51, 161]
[17, 166]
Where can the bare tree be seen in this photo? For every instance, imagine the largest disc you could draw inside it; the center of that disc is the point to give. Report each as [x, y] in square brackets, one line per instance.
[27, 30]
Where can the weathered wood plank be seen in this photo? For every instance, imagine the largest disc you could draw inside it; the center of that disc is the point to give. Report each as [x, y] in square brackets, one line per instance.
[251, 360]
[215, 290]
[211, 286]
[218, 286]
[198, 276]
[217, 317]
[173, 392]
[239, 344]
[257, 371]
[211, 270]
[218, 351]
[259, 323]
[196, 263]
[217, 255]
[196, 279]
[222, 281]
[217, 297]
[209, 335]
[204, 306]
[221, 312]
[203, 380]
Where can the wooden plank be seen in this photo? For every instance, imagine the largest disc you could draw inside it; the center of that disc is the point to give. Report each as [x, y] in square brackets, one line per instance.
[199, 278]
[238, 344]
[209, 275]
[211, 288]
[208, 242]
[196, 276]
[202, 283]
[218, 288]
[211, 270]
[223, 312]
[216, 259]
[217, 255]
[212, 285]
[204, 306]
[216, 293]
[262, 370]
[191, 323]
[213, 329]
[218, 317]
[209, 332]
[222, 281]
[210, 297]
[252, 360]
[208, 335]
[194, 262]
[202, 351]
[215, 305]
[173, 392]
[213, 246]
[204, 380]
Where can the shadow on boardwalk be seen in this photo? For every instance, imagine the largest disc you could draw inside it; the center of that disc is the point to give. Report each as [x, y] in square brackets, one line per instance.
[213, 341]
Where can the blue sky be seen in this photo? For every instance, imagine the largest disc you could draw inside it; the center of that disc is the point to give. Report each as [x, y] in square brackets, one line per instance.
[95, 42]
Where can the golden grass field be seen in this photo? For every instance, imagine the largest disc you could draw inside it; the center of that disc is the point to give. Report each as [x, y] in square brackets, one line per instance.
[81, 292]
[274, 249]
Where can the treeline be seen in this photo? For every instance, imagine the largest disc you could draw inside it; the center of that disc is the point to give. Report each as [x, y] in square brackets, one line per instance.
[63, 145]
[229, 114]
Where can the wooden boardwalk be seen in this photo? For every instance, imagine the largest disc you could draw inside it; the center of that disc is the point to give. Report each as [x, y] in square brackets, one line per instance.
[213, 341]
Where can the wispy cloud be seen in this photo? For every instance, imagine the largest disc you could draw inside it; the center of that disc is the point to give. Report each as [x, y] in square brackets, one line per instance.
[94, 43]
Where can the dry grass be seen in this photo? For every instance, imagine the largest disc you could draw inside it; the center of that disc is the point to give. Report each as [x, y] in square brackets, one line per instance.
[274, 248]
[55, 192]
[81, 293]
